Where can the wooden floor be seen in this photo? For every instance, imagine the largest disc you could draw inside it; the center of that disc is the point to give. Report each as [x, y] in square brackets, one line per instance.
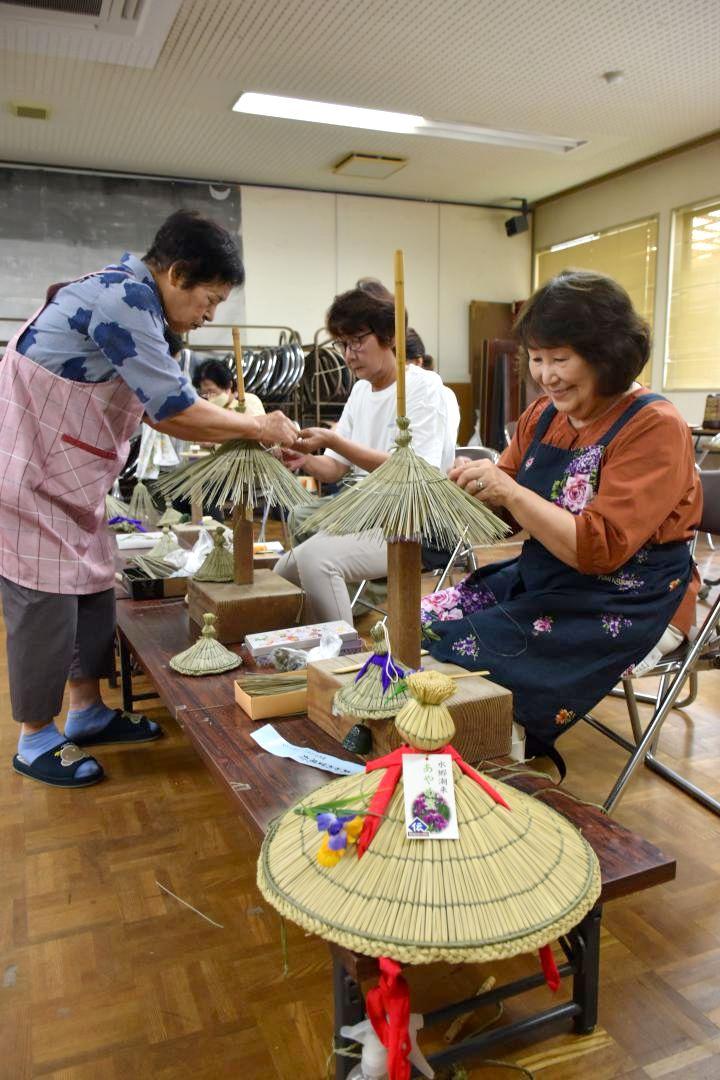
[106, 977]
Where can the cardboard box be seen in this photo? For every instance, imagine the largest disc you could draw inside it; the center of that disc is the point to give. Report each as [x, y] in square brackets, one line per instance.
[288, 703]
[140, 587]
[262, 645]
[482, 710]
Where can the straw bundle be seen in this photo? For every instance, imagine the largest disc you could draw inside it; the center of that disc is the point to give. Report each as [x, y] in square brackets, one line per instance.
[207, 656]
[425, 721]
[141, 506]
[153, 567]
[372, 694]
[411, 500]
[166, 544]
[115, 507]
[218, 565]
[519, 876]
[238, 472]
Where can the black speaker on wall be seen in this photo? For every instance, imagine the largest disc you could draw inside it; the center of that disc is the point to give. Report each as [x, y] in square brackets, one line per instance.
[515, 225]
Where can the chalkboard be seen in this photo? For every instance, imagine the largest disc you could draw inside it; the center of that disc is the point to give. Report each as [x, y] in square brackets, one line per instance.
[57, 226]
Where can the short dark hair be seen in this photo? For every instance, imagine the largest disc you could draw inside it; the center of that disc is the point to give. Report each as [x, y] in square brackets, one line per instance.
[415, 349]
[217, 371]
[374, 287]
[198, 247]
[593, 315]
[357, 310]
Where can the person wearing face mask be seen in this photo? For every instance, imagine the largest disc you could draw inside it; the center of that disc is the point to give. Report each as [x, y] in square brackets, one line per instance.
[601, 475]
[215, 382]
[75, 381]
[364, 328]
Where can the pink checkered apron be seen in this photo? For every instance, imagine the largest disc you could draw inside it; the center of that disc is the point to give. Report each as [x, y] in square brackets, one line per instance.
[62, 445]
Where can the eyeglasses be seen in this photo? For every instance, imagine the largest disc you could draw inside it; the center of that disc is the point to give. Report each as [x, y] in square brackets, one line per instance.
[353, 343]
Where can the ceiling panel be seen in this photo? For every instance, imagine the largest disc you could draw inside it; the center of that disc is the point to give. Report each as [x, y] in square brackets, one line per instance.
[528, 66]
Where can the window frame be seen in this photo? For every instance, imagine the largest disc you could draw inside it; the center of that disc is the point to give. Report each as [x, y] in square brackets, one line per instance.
[675, 212]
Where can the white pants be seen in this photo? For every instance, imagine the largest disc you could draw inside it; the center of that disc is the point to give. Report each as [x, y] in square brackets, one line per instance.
[323, 565]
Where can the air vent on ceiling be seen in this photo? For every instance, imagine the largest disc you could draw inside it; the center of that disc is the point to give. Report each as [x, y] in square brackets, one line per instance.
[129, 33]
[29, 112]
[369, 166]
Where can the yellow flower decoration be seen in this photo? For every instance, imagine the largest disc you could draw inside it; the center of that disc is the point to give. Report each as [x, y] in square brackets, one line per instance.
[354, 828]
[326, 856]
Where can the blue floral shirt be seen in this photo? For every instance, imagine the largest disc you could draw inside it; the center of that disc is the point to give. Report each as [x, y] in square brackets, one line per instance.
[112, 323]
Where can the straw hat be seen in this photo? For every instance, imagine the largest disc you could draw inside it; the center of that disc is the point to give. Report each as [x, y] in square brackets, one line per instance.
[371, 695]
[517, 878]
[218, 564]
[207, 656]
[166, 544]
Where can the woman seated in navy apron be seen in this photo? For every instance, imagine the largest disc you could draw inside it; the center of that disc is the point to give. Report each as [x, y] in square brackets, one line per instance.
[75, 382]
[601, 475]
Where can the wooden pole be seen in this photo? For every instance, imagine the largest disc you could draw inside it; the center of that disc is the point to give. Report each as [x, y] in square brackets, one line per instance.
[400, 331]
[243, 573]
[404, 573]
[237, 348]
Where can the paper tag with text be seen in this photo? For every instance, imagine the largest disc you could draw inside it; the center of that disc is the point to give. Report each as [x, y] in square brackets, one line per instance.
[429, 797]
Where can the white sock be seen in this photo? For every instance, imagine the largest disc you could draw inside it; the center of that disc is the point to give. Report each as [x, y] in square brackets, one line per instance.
[671, 640]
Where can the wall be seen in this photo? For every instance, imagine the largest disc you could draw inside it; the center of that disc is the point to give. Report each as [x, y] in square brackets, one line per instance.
[57, 226]
[301, 248]
[654, 189]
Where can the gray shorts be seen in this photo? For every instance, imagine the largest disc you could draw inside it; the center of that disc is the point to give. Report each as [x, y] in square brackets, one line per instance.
[51, 638]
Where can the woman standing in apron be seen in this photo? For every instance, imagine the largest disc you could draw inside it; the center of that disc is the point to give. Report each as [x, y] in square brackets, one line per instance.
[75, 382]
[601, 474]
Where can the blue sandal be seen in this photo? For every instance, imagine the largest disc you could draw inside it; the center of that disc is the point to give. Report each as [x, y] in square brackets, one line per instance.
[59, 766]
[123, 727]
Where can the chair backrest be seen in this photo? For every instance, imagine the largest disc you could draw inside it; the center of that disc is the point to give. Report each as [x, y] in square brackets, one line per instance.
[477, 453]
[710, 520]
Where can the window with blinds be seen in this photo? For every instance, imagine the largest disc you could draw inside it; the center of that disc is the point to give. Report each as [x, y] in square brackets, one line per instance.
[692, 354]
[626, 253]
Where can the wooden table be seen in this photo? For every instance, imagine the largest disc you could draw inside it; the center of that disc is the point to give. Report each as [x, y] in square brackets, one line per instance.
[263, 786]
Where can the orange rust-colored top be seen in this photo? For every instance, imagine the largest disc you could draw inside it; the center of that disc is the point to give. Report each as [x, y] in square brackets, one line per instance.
[649, 488]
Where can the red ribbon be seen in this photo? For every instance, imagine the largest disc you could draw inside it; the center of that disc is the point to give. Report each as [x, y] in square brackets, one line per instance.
[388, 1008]
[550, 971]
[392, 763]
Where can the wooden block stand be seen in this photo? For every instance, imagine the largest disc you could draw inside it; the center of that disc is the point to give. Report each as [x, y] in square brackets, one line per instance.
[481, 710]
[269, 602]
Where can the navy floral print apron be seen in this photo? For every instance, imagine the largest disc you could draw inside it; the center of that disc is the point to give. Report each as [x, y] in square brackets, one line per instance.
[557, 638]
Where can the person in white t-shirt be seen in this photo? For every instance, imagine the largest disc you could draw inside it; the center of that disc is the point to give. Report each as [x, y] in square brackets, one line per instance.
[364, 328]
[416, 356]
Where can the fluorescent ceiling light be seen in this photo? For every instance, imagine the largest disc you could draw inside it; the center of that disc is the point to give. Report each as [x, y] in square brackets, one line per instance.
[320, 112]
[575, 242]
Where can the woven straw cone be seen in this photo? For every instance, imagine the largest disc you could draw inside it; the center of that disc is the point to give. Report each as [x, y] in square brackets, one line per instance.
[218, 565]
[425, 721]
[141, 507]
[514, 881]
[207, 656]
[115, 507]
[238, 472]
[166, 544]
[170, 516]
[365, 698]
[409, 499]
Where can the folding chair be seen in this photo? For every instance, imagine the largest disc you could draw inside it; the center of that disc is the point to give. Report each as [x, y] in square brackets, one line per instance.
[701, 654]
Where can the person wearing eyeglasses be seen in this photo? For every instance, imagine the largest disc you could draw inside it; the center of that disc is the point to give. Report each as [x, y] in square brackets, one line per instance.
[364, 328]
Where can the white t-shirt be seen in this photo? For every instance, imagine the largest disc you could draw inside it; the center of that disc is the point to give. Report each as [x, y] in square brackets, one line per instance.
[369, 418]
[452, 427]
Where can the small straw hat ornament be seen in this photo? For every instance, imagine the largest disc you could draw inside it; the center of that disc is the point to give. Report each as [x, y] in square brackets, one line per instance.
[141, 506]
[207, 656]
[376, 692]
[518, 877]
[170, 516]
[218, 564]
[166, 544]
